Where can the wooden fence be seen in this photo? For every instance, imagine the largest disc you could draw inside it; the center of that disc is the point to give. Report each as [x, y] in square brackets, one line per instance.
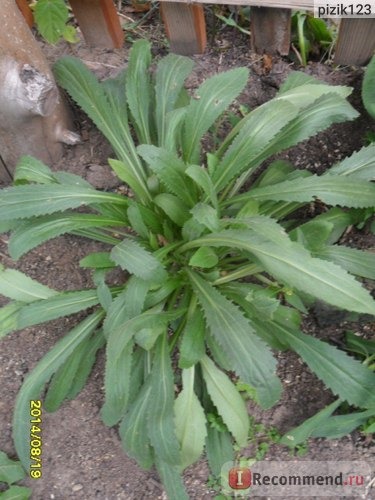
[186, 29]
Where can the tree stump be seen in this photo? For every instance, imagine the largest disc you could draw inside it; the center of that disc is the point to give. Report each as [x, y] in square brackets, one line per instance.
[35, 119]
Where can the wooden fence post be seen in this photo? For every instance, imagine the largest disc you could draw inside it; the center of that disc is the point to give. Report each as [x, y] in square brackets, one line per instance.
[26, 12]
[34, 119]
[270, 30]
[99, 22]
[185, 27]
[356, 41]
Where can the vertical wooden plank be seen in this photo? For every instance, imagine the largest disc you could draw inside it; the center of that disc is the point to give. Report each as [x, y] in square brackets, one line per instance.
[270, 30]
[26, 11]
[185, 27]
[99, 22]
[356, 41]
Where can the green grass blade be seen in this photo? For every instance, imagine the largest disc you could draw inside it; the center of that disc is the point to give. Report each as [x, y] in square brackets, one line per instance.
[250, 357]
[39, 376]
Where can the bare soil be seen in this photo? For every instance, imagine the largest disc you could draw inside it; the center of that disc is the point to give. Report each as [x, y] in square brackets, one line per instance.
[83, 459]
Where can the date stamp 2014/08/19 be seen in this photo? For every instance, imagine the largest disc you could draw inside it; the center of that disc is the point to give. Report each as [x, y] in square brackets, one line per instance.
[35, 439]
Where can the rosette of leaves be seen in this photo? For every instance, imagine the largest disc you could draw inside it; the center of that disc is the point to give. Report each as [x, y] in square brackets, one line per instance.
[220, 268]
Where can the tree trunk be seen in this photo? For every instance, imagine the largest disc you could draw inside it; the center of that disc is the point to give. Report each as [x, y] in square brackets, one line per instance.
[34, 118]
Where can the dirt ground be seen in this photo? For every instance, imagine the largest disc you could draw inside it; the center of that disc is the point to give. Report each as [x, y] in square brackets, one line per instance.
[83, 459]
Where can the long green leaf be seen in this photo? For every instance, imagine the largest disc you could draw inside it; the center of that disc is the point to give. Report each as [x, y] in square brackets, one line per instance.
[97, 341]
[210, 100]
[138, 88]
[16, 493]
[39, 376]
[117, 383]
[341, 425]
[170, 76]
[51, 19]
[32, 170]
[17, 286]
[119, 353]
[170, 170]
[94, 99]
[62, 381]
[59, 305]
[190, 421]
[133, 428]
[335, 190]
[172, 481]
[301, 433]
[32, 233]
[355, 261]
[250, 357]
[345, 376]
[292, 264]
[368, 88]
[9, 317]
[22, 202]
[226, 398]
[219, 449]
[161, 427]
[192, 347]
[172, 205]
[11, 471]
[204, 181]
[318, 116]
[360, 165]
[138, 261]
[257, 134]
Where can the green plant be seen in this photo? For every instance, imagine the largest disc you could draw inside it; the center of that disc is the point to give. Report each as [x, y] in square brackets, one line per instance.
[51, 18]
[11, 472]
[368, 88]
[214, 254]
[309, 34]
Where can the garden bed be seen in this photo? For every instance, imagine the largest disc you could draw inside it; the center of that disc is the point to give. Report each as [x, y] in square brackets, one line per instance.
[82, 458]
